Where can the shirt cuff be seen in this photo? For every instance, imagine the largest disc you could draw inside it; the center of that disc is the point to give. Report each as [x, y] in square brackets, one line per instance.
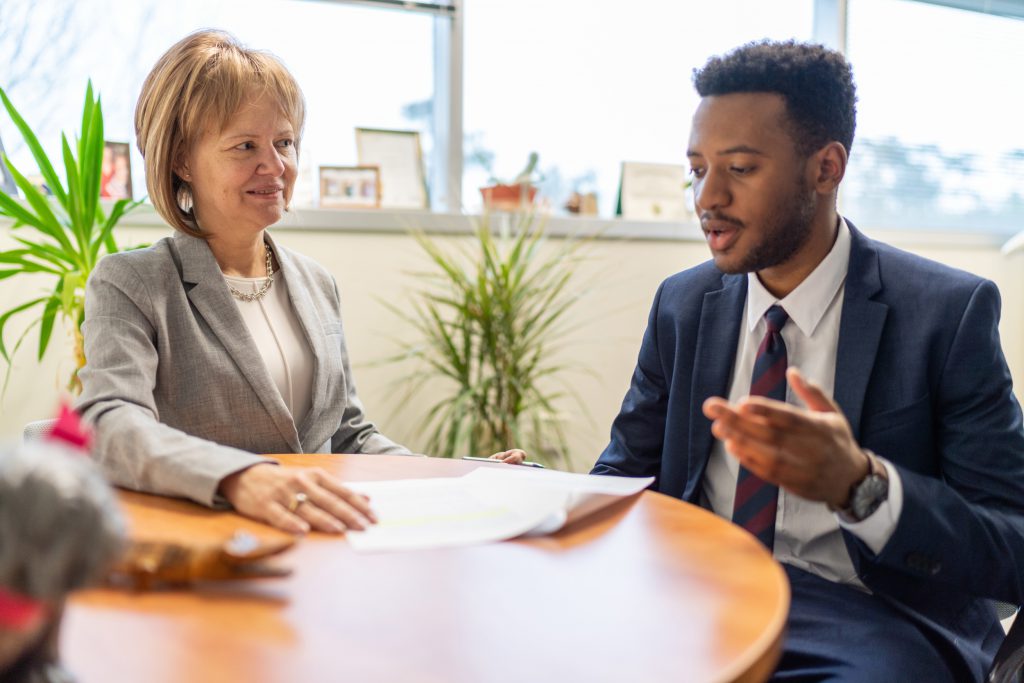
[878, 527]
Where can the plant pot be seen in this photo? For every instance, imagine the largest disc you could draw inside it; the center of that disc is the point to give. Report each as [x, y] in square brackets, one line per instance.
[508, 197]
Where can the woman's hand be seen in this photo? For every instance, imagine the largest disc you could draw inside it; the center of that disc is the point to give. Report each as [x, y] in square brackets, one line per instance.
[297, 499]
[513, 456]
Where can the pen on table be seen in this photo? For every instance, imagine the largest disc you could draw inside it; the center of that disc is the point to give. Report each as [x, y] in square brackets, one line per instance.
[525, 463]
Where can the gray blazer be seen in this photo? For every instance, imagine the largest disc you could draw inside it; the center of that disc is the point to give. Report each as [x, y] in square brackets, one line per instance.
[177, 392]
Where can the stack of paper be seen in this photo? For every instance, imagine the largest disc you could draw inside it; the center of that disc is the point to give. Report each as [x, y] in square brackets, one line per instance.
[488, 504]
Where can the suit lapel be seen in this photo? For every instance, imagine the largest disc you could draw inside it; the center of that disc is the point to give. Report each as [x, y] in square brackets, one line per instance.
[860, 329]
[714, 358]
[211, 298]
[312, 328]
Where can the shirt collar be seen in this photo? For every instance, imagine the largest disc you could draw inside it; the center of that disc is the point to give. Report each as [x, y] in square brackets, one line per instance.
[806, 305]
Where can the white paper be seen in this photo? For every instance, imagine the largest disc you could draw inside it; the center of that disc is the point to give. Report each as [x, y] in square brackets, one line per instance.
[583, 494]
[490, 504]
[437, 513]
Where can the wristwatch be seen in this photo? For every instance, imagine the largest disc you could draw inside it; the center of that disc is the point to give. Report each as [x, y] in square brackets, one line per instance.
[869, 493]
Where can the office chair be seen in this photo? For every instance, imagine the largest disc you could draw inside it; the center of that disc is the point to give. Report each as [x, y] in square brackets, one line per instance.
[34, 431]
[1008, 666]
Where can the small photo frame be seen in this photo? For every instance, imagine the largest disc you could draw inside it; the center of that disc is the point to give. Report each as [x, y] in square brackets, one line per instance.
[350, 187]
[398, 155]
[654, 192]
[116, 176]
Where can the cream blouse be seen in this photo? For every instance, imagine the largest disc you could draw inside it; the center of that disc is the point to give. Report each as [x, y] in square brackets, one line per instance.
[281, 342]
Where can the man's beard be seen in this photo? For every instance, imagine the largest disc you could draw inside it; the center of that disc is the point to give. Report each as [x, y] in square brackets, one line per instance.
[787, 228]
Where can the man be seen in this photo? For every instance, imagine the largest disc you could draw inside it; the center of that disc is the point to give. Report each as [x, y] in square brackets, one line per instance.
[891, 556]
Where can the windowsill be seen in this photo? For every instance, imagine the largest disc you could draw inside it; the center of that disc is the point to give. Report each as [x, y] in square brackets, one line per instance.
[401, 221]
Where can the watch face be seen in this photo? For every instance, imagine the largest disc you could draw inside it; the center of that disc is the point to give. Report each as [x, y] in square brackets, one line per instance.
[868, 495]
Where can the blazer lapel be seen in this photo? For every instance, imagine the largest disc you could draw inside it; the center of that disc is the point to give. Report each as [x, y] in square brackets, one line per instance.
[860, 329]
[312, 327]
[210, 295]
[714, 358]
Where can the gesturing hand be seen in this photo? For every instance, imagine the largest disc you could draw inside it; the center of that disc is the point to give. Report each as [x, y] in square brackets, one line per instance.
[809, 452]
[297, 499]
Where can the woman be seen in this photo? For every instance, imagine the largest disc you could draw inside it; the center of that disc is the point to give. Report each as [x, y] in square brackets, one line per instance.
[216, 344]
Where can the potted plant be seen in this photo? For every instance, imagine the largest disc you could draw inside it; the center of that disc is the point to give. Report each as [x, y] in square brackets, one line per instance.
[488, 321]
[514, 195]
[62, 236]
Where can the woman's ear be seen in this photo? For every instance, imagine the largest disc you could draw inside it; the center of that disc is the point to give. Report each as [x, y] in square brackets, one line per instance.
[181, 167]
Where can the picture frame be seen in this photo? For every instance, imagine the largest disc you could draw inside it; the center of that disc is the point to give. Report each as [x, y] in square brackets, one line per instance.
[116, 175]
[7, 183]
[399, 156]
[350, 187]
[654, 192]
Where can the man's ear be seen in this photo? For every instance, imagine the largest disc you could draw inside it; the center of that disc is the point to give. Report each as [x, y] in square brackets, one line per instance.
[828, 166]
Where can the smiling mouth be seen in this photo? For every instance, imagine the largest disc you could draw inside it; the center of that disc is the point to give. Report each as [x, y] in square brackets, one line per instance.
[265, 191]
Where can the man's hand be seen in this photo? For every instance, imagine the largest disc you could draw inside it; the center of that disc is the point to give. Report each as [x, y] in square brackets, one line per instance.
[809, 452]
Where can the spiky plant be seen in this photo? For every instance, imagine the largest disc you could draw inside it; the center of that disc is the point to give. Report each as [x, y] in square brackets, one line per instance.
[62, 235]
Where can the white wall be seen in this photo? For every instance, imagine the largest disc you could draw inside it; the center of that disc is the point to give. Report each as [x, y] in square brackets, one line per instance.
[375, 267]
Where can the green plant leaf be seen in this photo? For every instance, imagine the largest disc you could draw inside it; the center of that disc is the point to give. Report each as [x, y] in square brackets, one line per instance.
[49, 313]
[80, 216]
[88, 108]
[45, 167]
[45, 220]
[13, 208]
[69, 284]
[25, 266]
[47, 252]
[17, 345]
[7, 315]
[91, 166]
[106, 234]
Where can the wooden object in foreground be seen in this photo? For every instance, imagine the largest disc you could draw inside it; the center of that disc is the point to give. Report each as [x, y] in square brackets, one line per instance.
[649, 589]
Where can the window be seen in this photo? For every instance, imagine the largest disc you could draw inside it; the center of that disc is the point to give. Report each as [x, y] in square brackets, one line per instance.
[588, 85]
[939, 143]
[585, 84]
[358, 66]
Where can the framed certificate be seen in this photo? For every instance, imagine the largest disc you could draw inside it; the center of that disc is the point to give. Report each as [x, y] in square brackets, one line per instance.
[348, 187]
[398, 155]
[654, 192]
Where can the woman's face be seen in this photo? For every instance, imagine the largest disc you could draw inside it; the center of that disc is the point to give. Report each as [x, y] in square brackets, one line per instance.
[242, 176]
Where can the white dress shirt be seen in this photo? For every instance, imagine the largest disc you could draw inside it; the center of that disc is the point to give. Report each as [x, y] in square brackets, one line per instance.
[807, 534]
[281, 342]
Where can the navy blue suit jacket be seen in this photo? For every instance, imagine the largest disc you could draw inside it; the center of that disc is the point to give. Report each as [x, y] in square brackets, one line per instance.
[921, 377]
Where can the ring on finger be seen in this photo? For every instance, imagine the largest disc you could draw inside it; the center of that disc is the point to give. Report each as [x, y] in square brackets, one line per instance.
[296, 501]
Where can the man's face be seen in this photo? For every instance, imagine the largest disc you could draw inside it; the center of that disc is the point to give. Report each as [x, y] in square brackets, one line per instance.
[750, 187]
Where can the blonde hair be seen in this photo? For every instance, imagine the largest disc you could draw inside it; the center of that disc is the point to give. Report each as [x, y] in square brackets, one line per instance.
[198, 84]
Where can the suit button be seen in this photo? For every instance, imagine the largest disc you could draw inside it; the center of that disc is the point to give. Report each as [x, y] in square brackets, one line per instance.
[935, 567]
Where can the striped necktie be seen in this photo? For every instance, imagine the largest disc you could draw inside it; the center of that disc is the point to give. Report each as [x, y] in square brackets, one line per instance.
[756, 499]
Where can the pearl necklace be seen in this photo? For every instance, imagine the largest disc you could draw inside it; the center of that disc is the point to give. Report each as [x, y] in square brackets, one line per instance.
[264, 288]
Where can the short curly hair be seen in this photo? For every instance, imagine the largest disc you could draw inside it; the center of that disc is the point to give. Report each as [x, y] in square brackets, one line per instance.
[816, 83]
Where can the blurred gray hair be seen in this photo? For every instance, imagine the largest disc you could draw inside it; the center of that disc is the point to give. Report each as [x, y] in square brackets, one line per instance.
[60, 525]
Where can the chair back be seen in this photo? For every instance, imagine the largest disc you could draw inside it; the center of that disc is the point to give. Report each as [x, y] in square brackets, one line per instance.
[1008, 666]
[34, 431]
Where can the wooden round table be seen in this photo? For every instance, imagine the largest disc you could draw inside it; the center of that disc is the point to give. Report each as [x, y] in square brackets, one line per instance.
[649, 589]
